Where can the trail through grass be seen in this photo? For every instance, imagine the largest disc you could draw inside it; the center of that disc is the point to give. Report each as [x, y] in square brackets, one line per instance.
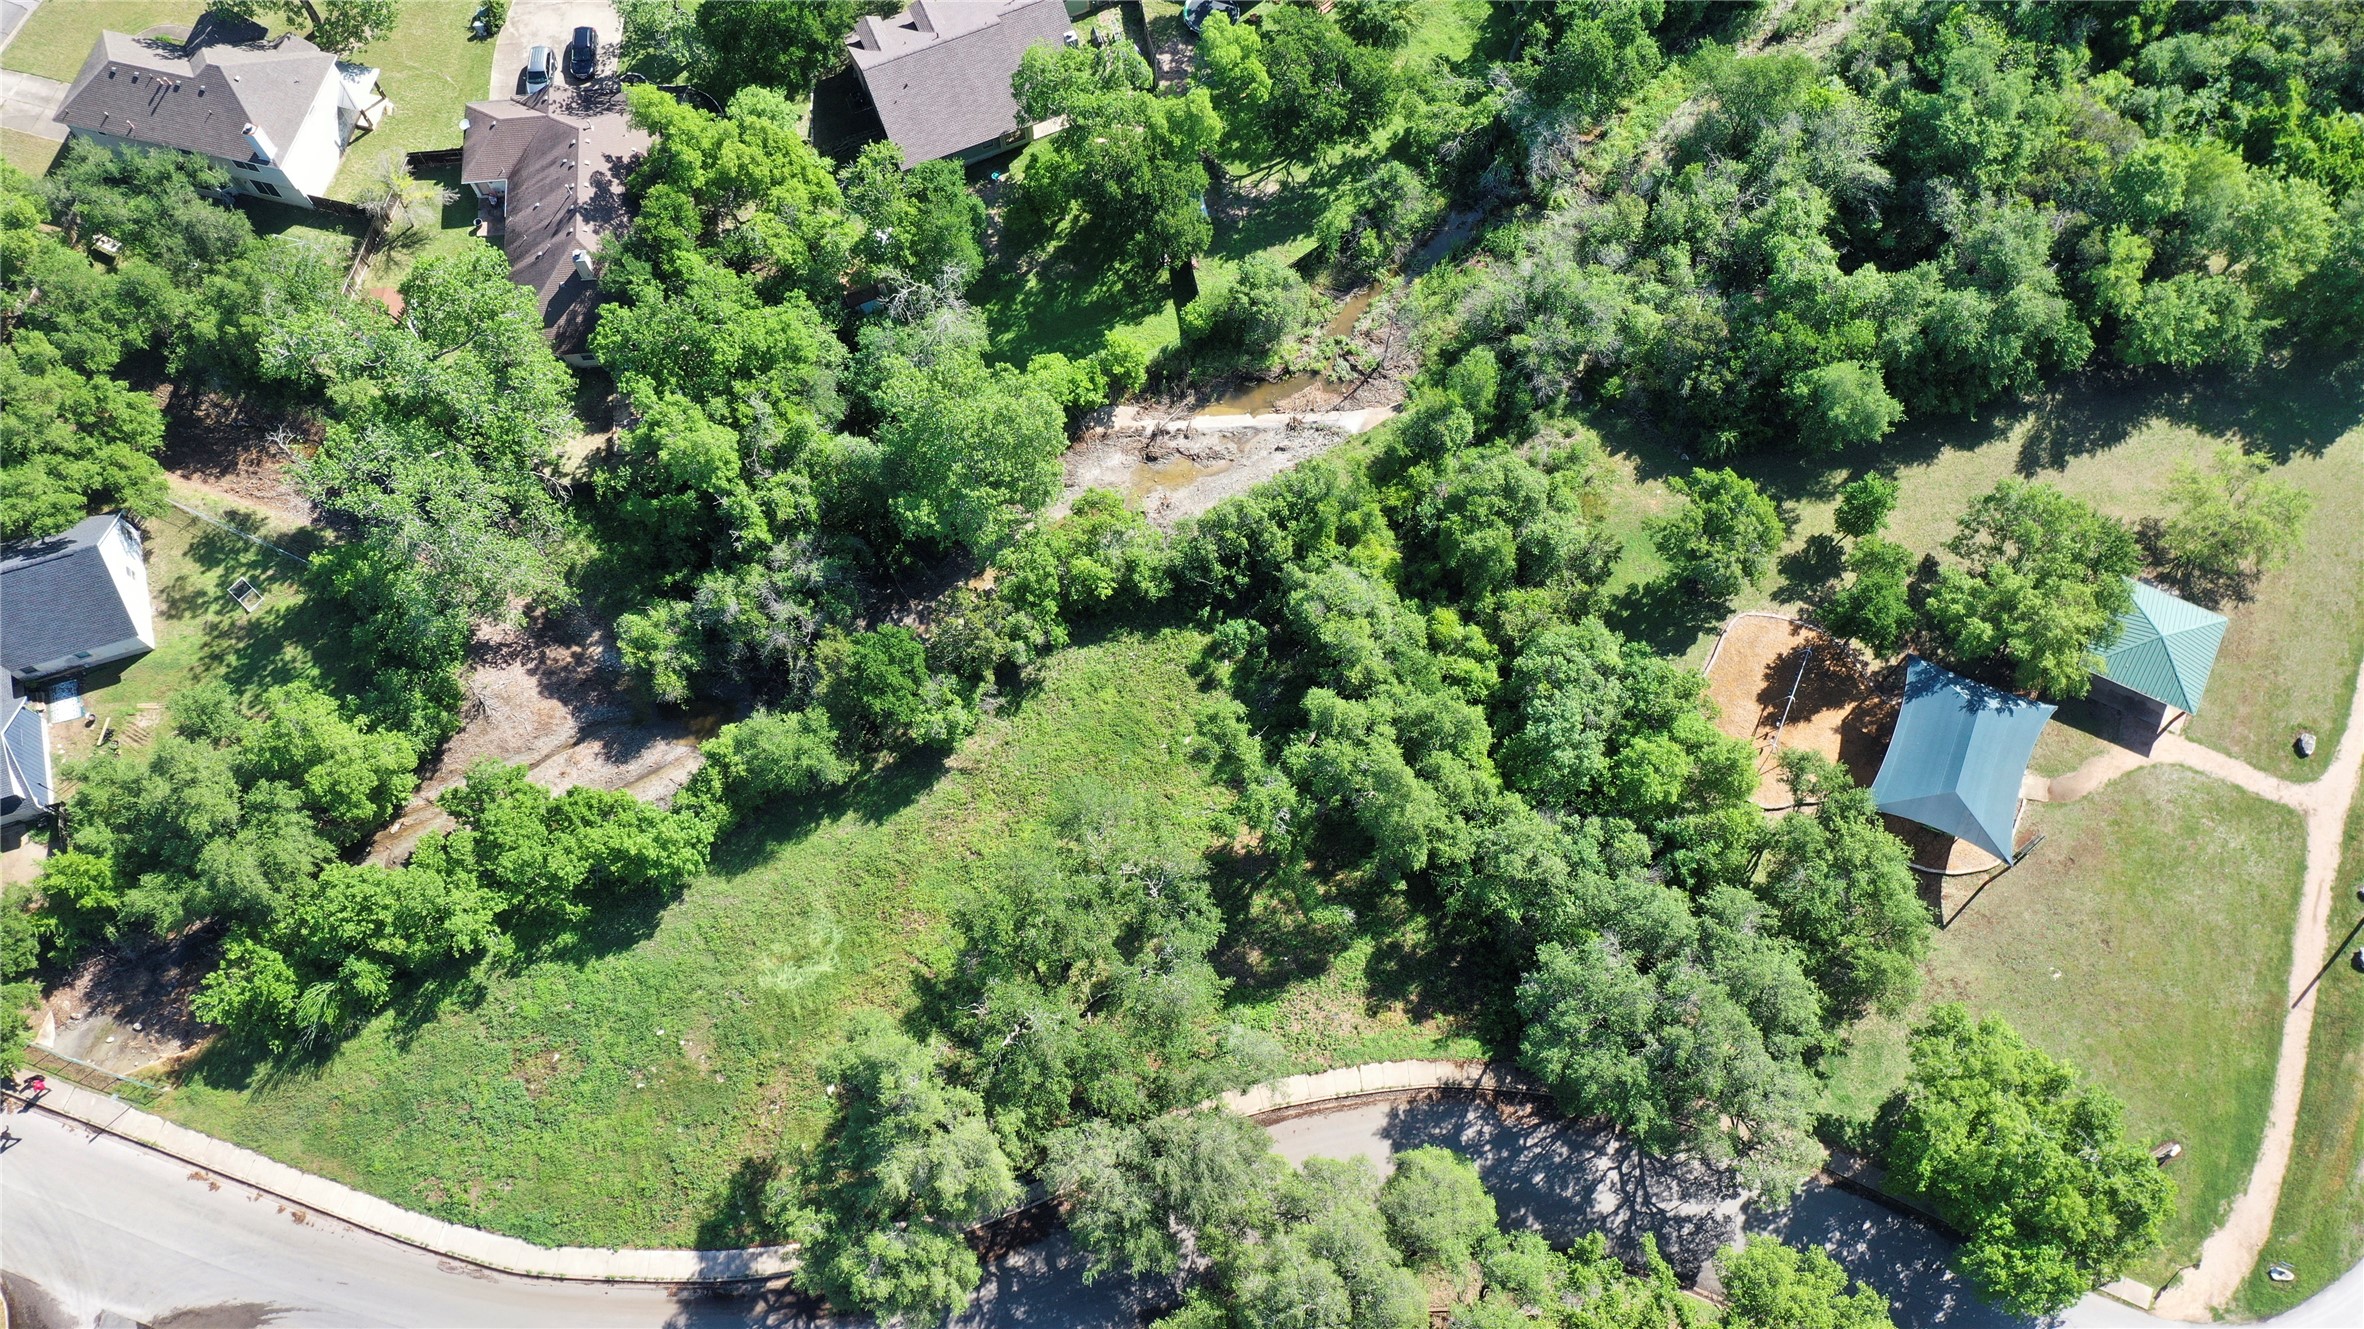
[2148, 940]
[2319, 1225]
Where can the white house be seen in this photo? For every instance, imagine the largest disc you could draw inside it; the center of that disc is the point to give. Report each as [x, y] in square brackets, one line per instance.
[28, 784]
[277, 115]
[75, 600]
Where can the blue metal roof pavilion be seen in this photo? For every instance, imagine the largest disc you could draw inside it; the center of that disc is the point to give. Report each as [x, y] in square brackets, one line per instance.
[2163, 648]
[1957, 757]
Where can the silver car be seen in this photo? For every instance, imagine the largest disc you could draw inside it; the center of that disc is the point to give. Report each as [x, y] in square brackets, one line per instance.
[540, 64]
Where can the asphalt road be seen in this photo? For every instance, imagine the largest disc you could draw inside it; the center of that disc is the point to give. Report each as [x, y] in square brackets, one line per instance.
[99, 1233]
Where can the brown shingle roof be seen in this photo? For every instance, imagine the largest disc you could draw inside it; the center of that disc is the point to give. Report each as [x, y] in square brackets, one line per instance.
[566, 161]
[939, 72]
[150, 91]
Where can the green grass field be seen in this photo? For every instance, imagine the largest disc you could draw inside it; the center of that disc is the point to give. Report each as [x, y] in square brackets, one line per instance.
[2148, 940]
[2319, 1225]
[431, 70]
[29, 153]
[2290, 657]
[202, 635]
[58, 37]
[623, 1095]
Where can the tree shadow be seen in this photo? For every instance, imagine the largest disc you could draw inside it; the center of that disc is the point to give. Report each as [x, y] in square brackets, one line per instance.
[1663, 614]
[2297, 405]
[1567, 1179]
[1810, 572]
[743, 1215]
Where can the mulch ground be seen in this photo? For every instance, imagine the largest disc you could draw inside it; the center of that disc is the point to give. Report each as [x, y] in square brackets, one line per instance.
[1835, 708]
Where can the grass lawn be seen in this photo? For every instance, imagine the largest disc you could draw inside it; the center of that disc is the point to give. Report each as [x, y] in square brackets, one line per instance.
[29, 153]
[2290, 657]
[629, 1094]
[336, 234]
[2148, 941]
[2319, 1226]
[202, 635]
[452, 233]
[57, 37]
[431, 70]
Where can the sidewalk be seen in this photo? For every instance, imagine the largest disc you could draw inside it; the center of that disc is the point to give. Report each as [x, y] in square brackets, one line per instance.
[485, 1249]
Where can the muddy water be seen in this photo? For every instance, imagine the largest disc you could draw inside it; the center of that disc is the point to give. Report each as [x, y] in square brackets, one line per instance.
[1173, 473]
[1258, 398]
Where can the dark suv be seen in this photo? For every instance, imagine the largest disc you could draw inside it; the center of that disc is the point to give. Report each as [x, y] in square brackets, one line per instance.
[582, 54]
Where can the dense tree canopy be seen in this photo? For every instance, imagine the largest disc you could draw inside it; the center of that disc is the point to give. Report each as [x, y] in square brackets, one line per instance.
[2032, 1163]
[2043, 584]
[1959, 203]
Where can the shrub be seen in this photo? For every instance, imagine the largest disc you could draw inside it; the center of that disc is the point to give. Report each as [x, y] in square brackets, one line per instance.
[1253, 317]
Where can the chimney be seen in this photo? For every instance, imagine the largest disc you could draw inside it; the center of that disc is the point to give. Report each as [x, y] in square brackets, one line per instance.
[261, 143]
[866, 34]
[583, 267]
[920, 18]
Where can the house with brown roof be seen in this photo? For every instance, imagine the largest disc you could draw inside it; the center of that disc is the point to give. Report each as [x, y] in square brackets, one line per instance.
[276, 115]
[550, 174]
[939, 72]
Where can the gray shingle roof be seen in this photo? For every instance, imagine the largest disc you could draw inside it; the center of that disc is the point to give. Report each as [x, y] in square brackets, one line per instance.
[152, 91]
[25, 774]
[566, 161]
[57, 596]
[939, 72]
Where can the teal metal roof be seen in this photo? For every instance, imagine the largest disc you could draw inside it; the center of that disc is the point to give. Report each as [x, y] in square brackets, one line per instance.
[2164, 648]
[1957, 756]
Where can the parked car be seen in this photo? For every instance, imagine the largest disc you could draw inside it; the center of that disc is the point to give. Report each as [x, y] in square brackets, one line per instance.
[538, 65]
[1194, 12]
[582, 55]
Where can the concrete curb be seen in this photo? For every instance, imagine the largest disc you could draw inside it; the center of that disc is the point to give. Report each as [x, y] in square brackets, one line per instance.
[1378, 1077]
[487, 1250]
[590, 1264]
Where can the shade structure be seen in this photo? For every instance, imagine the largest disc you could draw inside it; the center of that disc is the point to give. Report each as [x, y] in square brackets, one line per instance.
[2164, 648]
[1957, 757]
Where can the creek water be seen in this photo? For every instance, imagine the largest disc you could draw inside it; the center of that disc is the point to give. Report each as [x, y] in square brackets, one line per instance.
[1257, 398]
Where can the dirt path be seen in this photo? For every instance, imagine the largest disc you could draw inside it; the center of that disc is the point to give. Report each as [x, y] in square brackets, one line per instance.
[2227, 1256]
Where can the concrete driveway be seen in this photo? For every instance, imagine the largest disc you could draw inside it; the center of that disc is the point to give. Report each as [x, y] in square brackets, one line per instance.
[27, 101]
[550, 23]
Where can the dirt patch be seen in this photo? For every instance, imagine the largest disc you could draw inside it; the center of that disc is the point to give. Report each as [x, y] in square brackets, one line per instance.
[1836, 708]
[236, 451]
[550, 696]
[1171, 474]
[126, 1008]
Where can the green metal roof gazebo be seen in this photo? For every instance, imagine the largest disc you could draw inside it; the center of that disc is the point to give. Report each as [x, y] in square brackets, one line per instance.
[1957, 757]
[2163, 648]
